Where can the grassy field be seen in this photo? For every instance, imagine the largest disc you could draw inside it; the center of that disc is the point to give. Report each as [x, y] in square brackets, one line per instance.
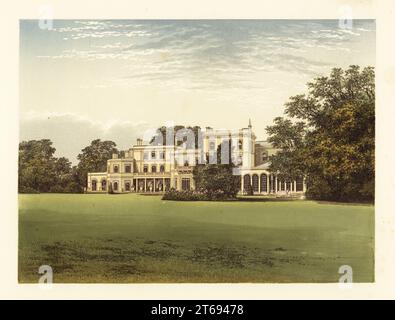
[134, 238]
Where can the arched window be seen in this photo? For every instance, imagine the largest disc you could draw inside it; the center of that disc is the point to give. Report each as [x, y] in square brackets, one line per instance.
[116, 169]
[247, 182]
[128, 168]
[186, 163]
[255, 183]
[103, 185]
[153, 168]
[162, 168]
[127, 186]
[94, 185]
[115, 185]
[263, 182]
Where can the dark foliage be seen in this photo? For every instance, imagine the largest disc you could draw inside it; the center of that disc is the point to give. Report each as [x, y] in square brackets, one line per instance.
[330, 136]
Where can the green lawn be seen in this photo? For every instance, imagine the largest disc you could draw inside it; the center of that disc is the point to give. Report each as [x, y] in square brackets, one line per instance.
[133, 238]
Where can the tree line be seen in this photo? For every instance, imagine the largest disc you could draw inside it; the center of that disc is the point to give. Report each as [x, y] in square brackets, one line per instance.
[41, 171]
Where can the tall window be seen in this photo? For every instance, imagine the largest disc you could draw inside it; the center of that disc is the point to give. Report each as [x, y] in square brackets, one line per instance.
[103, 185]
[255, 183]
[145, 155]
[127, 186]
[145, 168]
[128, 168]
[186, 184]
[116, 168]
[115, 186]
[263, 182]
[162, 155]
[153, 168]
[153, 155]
[212, 145]
[162, 168]
[94, 185]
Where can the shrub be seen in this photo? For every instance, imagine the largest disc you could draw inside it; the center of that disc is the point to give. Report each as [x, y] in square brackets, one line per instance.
[216, 181]
[188, 195]
[27, 190]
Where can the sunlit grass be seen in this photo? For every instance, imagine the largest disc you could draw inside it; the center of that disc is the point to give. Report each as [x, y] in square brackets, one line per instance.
[133, 238]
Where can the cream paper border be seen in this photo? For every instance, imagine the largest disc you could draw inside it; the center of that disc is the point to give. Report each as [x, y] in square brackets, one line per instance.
[12, 11]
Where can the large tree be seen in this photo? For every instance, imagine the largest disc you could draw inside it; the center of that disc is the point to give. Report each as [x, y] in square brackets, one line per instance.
[161, 135]
[93, 158]
[328, 136]
[40, 171]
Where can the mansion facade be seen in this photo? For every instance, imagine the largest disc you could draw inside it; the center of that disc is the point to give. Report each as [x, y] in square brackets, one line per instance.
[158, 167]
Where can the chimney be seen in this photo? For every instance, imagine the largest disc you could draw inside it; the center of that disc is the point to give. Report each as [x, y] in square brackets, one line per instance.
[115, 155]
[139, 141]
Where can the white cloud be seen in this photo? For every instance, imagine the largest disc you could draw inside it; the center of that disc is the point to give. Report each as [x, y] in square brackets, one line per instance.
[70, 133]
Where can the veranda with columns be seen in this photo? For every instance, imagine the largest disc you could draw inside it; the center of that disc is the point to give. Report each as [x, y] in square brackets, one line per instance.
[264, 182]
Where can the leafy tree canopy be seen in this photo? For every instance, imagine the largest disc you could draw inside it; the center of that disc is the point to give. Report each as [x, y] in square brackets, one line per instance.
[328, 136]
[40, 171]
[216, 181]
[93, 158]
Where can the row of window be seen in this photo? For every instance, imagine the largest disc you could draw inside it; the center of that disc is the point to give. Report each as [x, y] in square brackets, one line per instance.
[154, 154]
[282, 185]
[154, 168]
[103, 185]
[128, 168]
[141, 185]
[212, 144]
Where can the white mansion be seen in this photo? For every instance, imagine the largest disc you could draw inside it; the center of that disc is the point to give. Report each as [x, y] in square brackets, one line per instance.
[157, 167]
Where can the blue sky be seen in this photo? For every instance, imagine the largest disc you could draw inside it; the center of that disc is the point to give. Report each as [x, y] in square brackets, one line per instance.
[114, 79]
